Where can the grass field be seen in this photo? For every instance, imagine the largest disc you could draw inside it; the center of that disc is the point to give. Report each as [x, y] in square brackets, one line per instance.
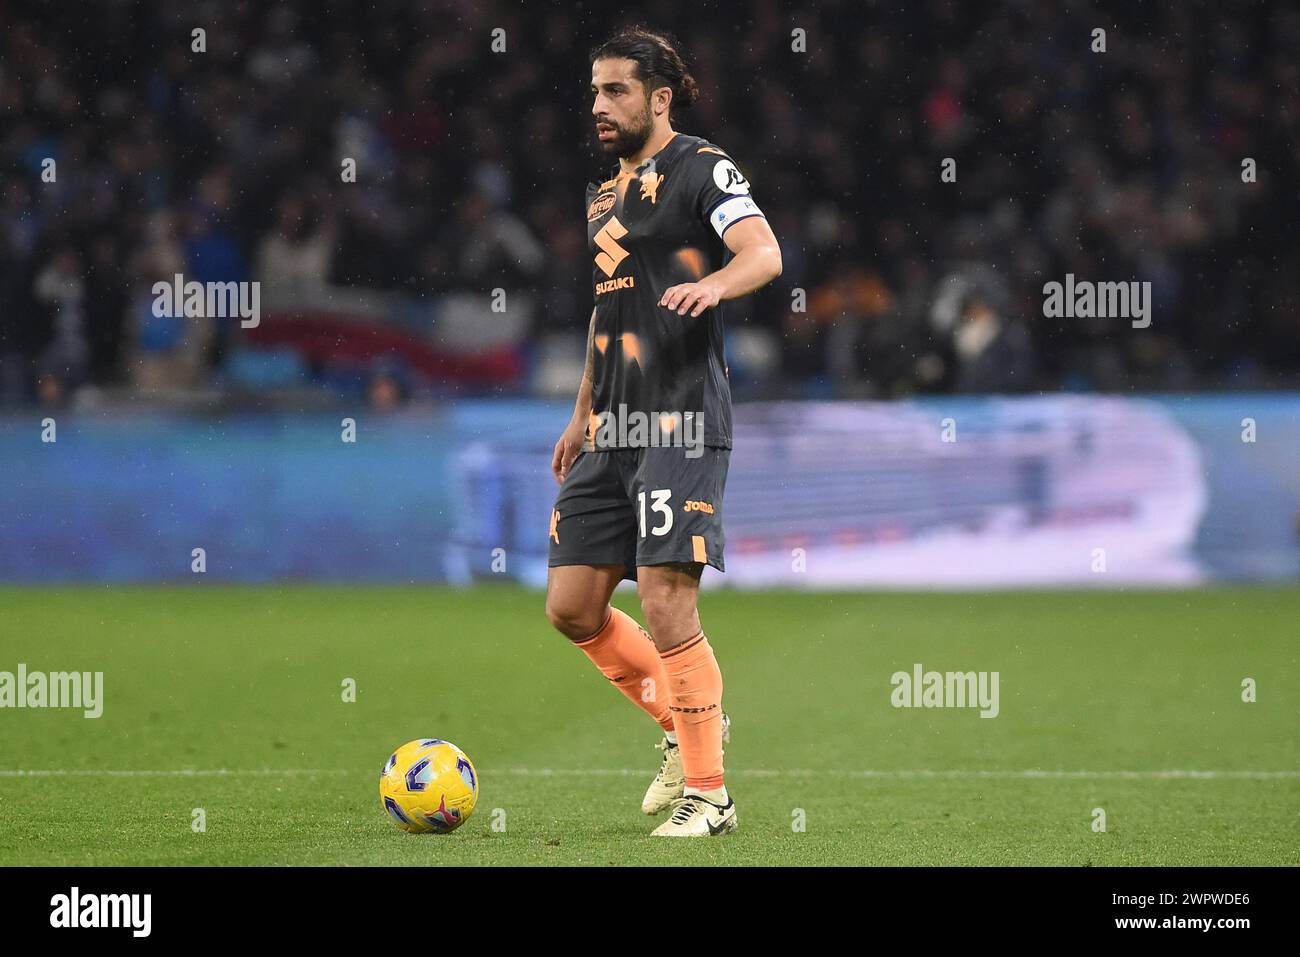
[1103, 695]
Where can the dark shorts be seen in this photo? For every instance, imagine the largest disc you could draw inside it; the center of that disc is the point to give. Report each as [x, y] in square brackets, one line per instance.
[644, 506]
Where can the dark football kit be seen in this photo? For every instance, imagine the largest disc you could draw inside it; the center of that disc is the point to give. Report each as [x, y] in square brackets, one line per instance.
[647, 487]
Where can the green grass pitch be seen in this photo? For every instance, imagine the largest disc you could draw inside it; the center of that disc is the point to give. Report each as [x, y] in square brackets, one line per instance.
[242, 686]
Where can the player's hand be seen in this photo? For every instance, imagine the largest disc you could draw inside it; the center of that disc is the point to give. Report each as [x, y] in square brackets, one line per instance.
[567, 448]
[693, 296]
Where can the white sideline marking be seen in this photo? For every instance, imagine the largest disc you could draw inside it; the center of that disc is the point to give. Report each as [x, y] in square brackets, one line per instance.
[957, 774]
[172, 773]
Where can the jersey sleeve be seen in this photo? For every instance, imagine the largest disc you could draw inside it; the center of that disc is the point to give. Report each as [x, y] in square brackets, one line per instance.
[721, 192]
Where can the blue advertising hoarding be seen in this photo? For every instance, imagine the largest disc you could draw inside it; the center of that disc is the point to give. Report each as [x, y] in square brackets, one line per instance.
[971, 492]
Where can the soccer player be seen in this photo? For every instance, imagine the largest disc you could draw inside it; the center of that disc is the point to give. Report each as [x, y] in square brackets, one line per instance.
[642, 465]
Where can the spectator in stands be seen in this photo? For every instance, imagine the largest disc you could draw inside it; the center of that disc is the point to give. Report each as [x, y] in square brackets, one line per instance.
[168, 352]
[495, 246]
[993, 353]
[299, 249]
[1123, 166]
[61, 290]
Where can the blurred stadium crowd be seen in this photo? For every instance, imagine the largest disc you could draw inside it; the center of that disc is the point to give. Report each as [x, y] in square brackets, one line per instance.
[224, 165]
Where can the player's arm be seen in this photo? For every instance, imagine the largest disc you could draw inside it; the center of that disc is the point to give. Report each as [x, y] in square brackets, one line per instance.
[582, 407]
[757, 262]
[570, 441]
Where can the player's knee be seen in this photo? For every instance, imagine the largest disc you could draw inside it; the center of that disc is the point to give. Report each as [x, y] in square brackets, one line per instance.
[667, 611]
[574, 620]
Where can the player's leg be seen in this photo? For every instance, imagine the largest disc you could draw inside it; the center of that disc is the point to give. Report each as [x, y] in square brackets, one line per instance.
[670, 781]
[680, 529]
[577, 604]
[669, 596]
[592, 545]
[577, 598]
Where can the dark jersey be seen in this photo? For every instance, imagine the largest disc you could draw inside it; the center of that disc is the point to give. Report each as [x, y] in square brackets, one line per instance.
[648, 230]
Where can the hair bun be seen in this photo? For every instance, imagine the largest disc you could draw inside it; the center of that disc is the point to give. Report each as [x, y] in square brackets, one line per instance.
[690, 92]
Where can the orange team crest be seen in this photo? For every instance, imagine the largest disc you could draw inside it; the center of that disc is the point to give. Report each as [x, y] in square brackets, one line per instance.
[650, 183]
[555, 525]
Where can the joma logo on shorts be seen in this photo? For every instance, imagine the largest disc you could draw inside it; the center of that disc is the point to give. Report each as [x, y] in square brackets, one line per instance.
[692, 506]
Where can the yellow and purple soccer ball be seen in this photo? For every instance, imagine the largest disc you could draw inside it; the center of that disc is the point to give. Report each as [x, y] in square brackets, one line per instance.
[428, 785]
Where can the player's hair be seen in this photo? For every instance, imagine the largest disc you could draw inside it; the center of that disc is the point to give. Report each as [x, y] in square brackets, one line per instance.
[657, 62]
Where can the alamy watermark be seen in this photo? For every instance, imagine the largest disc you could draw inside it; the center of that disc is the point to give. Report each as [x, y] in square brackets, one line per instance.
[1083, 299]
[75, 909]
[211, 300]
[946, 689]
[54, 689]
[635, 429]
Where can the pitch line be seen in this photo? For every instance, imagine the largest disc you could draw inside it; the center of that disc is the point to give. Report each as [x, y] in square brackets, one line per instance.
[168, 773]
[958, 774]
[903, 774]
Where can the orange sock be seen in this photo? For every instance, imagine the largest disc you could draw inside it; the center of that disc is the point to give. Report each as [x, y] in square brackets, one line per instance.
[626, 656]
[696, 702]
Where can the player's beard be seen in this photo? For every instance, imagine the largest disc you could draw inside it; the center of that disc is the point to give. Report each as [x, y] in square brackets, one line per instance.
[629, 140]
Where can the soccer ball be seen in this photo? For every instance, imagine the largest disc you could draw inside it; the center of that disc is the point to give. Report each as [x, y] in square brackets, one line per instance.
[428, 785]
